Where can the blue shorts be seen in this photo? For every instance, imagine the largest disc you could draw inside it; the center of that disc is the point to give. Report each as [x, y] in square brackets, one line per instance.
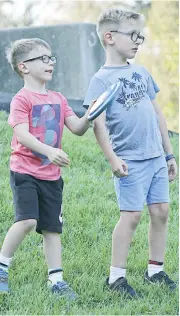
[147, 181]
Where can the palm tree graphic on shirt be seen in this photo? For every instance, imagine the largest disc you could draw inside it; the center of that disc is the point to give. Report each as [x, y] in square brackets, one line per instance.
[132, 91]
[136, 76]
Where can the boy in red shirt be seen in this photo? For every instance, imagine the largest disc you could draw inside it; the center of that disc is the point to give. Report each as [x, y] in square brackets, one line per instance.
[38, 116]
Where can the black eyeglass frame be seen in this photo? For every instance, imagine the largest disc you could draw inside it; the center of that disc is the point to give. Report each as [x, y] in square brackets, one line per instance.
[52, 58]
[134, 35]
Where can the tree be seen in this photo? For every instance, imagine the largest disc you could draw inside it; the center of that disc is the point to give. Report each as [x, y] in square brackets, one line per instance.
[10, 18]
[160, 56]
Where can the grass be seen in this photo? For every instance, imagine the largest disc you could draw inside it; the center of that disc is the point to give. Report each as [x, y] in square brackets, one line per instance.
[90, 214]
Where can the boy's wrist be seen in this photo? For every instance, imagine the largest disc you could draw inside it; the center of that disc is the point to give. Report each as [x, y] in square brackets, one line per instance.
[45, 149]
[169, 157]
[112, 158]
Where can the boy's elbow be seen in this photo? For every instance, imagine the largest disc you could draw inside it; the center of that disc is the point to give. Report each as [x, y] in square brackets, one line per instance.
[21, 141]
[81, 132]
[21, 137]
[21, 132]
[78, 132]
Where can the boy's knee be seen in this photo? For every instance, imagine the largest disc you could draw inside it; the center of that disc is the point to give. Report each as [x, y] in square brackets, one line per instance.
[161, 212]
[29, 224]
[131, 219]
[135, 218]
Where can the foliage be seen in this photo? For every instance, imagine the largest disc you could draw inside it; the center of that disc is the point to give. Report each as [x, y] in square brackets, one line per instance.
[160, 56]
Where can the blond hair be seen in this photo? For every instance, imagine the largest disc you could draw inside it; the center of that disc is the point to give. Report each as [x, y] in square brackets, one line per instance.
[19, 50]
[112, 17]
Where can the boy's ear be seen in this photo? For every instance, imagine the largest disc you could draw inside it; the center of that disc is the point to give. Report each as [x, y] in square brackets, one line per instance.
[23, 68]
[108, 38]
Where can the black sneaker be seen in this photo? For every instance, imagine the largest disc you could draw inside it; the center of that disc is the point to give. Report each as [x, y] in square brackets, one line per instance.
[162, 278]
[121, 285]
[3, 282]
[63, 289]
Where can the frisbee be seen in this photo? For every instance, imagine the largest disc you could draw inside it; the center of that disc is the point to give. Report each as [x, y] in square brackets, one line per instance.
[103, 101]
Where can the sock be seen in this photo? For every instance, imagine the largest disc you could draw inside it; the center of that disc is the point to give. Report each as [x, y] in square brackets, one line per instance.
[154, 267]
[55, 275]
[116, 273]
[4, 262]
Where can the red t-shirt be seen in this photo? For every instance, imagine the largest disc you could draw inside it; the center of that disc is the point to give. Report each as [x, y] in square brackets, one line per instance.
[45, 114]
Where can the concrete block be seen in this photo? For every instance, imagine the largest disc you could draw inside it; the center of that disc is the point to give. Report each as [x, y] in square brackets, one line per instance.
[77, 48]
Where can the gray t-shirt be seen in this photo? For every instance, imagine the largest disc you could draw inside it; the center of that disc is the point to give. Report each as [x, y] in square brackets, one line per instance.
[131, 119]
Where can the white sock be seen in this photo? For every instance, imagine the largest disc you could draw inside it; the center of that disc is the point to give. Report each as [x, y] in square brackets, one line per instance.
[116, 273]
[4, 262]
[154, 268]
[55, 275]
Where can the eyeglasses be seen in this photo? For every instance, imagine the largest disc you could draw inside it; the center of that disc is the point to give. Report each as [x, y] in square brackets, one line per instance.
[134, 36]
[45, 59]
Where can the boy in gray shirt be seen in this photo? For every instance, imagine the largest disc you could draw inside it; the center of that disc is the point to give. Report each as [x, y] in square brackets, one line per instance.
[133, 136]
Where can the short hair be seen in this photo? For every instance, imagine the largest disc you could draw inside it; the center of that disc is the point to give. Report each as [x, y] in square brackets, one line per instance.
[113, 17]
[19, 50]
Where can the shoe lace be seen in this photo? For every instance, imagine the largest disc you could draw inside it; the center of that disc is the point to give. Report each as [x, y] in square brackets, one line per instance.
[63, 287]
[124, 285]
[163, 275]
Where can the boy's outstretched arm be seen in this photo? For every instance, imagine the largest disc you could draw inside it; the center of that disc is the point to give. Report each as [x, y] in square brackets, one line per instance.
[119, 167]
[172, 166]
[76, 125]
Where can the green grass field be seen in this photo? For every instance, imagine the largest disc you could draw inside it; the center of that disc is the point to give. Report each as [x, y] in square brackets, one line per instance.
[90, 214]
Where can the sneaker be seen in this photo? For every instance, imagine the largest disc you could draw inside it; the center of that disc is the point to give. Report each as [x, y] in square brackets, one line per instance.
[3, 282]
[162, 278]
[63, 289]
[121, 285]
